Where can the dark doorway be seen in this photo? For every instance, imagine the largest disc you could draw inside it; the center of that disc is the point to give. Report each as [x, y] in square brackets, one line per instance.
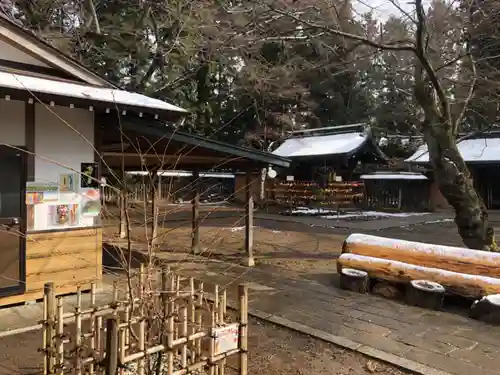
[12, 221]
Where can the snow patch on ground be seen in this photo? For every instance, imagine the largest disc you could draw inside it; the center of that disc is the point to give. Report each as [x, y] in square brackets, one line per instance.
[326, 213]
[311, 211]
[235, 229]
[439, 221]
[377, 214]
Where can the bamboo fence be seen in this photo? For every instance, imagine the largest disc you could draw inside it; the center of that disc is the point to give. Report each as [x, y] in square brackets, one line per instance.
[157, 323]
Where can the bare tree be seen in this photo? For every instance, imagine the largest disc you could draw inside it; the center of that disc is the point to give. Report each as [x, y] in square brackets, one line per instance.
[442, 112]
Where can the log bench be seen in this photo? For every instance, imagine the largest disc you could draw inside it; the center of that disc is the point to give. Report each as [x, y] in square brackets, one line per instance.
[462, 271]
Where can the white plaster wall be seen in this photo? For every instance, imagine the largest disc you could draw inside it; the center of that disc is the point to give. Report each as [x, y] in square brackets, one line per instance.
[12, 124]
[11, 53]
[57, 141]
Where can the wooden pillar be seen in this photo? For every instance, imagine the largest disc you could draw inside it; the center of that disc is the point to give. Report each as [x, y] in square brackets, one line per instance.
[155, 241]
[250, 262]
[123, 221]
[195, 233]
[159, 187]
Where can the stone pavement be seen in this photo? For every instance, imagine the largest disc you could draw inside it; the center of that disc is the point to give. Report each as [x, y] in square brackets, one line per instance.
[444, 341]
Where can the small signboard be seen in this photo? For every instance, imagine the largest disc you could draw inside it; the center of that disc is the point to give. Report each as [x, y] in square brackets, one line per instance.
[290, 178]
[226, 338]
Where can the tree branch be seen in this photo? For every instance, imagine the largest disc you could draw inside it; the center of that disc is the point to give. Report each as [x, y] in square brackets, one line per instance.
[388, 47]
[470, 96]
[421, 55]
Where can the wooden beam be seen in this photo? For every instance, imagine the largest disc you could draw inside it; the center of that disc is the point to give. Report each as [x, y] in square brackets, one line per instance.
[40, 50]
[250, 261]
[195, 231]
[29, 124]
[159, 158]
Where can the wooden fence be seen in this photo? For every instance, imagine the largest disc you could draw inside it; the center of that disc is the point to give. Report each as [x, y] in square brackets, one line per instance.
[398, 195]
[174, 328]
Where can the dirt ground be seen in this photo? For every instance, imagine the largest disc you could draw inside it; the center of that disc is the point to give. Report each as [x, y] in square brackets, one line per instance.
[272, 351]
[279, 351]
[297, 252]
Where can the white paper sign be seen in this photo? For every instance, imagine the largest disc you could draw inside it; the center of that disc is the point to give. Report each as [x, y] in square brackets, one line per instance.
[226, 338]
[290, 178]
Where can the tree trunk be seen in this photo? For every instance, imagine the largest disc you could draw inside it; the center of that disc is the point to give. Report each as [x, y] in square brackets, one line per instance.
[453, 176]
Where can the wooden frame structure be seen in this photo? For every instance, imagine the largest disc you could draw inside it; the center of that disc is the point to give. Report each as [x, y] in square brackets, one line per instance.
[152, 147]
[50, 107]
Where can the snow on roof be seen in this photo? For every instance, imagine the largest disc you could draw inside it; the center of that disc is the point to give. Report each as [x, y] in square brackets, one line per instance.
[472, 150]
[82, 91]
[393, 176]
[322, 145]
[176, 173]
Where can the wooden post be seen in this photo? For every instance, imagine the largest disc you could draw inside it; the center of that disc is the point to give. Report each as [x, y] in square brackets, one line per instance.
[50, 296]
[160, 191]
[195, 234]
[111, 361]
[243, 330]
[121, 203]
[250, 262]
[400, 198]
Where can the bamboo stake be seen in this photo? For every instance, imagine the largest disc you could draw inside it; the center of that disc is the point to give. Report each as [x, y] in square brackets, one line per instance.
[211, 346]
[176, 312]
[184, 333]
[60, 337]
[216, 305]
[142, 323]
[49, 292]
[199, 318]
[243, 330]
[45, 339]
[92, 325]
[222, 311]
[115, 298]
[99, 337]
[214, 323]
[192, 318]
[78, 332]
[170, 330]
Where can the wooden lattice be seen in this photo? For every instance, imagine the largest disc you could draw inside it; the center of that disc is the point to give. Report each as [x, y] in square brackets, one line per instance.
[157, 323]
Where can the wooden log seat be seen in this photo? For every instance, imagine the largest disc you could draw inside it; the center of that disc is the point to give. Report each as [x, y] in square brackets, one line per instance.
[486, 309]
[455, 259]
[463, 284]
[425, 293]
[354, 280]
